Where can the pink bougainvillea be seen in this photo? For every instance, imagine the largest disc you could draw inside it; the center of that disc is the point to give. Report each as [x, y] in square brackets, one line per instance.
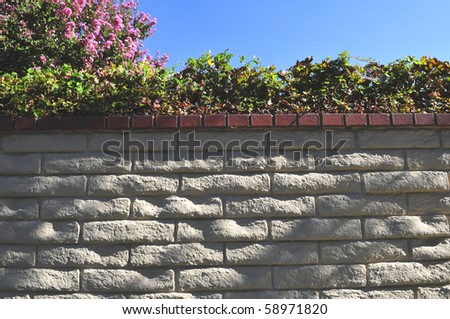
[83, 33]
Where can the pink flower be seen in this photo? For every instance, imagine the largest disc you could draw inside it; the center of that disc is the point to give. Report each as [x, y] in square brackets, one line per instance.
[43, 59]
[108, 44]
[83, 26]
[118, 23]
[78, 9]
[67, 12]
[134, 31]
[69, 33]
[96, 24]
[144, 18]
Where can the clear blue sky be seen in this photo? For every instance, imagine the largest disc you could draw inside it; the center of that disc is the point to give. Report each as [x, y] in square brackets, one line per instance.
[282, 31]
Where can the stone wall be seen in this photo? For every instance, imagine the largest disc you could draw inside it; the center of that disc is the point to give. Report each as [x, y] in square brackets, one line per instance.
[339, 212]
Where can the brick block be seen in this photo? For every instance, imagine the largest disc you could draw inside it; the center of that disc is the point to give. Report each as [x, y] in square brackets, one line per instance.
[405, 182]
[222, 230]
[108, 280]
[209, 165]
[225, 278]
[395, 138]
[44, 142]
[442, 292]
[319, 277]
[429, 203]
[80, 296]
[166, 121]
[272, 254]
[118, 122]
[191, 120]
[215, 120]
[42, 186]
[95, 122]
[445, 138]
[335, 139]
[273, 163]
[25, 123]
[380, 119]
[39, 232]
[431, 249]
[18, 209]
[84, 163]
[273, 294]
[226, 184]
[129, 185]
[332, 119]
[285, 120]
[14, 296]
[71, 122]
[128, 232]
[367, 294]
[142, 121]
[443, 119]
[194, 254]
[363, 252]
[238, 120]
[407, 227]
[424, 119]
[407, 274]
[38, 279]
[356, 119]
[175, 295]
[269, 207]
[177, 207]
[261, 120]
[402, 119]
[309, 120]
[84, 257]
[361, 161]
[428, 160]
[20, 164]
[16, 256]
[47, 123]
[81, 209]
[360, 205]
[315, 183]
[6, 124]
[316, 229]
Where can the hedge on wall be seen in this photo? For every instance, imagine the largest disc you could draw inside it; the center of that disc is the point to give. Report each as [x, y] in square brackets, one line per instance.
[84, 58]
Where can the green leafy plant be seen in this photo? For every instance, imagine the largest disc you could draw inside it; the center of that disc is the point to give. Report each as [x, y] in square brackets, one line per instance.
[211, 84]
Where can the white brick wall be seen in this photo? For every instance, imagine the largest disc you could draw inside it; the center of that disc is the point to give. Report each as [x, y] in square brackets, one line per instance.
[369, 222]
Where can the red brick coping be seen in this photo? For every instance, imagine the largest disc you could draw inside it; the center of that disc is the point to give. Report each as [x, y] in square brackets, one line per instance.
[226, 121]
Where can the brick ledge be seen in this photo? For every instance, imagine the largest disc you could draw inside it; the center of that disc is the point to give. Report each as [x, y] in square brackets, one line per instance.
[227, 121]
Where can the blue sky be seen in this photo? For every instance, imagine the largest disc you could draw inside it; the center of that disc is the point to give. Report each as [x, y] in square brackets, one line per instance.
[282, 31]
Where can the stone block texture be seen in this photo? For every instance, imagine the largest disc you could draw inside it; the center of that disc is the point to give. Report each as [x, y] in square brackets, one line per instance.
[362, 213]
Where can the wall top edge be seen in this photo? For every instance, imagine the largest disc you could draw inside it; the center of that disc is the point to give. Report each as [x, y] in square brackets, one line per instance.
[193, 121]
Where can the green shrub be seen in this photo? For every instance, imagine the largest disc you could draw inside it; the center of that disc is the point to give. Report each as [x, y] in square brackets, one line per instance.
[210, 84]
